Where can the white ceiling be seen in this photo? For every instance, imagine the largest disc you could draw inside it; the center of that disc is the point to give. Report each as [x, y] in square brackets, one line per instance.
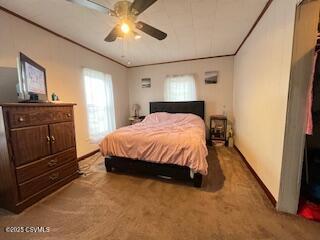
[195, 28]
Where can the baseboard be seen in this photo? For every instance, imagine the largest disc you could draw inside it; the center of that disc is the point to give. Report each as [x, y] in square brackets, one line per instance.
[88, 155]
[264, 188]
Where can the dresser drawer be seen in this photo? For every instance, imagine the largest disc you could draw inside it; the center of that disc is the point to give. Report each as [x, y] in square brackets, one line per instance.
[35, 185]
[36, 168]
[23, 117]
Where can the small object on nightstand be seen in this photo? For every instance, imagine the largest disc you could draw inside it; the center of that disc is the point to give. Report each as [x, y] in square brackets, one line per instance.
[218, 129]
[134, 120]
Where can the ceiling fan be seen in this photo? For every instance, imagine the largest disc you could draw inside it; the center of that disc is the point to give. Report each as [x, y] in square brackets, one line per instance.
[127, 13]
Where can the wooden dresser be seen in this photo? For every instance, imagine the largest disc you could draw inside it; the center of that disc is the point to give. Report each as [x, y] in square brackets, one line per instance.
[37, 152]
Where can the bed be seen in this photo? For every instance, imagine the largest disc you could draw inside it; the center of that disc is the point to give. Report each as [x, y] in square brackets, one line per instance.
[170, 142]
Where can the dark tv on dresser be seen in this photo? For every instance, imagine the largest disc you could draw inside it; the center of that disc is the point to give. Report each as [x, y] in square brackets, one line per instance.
[32, 85]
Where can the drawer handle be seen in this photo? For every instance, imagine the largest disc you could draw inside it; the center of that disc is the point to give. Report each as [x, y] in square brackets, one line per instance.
[54, 176]
[52, 162]
[68, 115]
[21, 119]
[53, 139]
[48, 139]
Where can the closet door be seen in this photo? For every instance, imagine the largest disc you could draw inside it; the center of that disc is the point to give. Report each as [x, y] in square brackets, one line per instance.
[62, 136]
[30, 143]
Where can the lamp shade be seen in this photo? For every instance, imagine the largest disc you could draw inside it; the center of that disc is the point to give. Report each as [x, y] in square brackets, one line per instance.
[135, 109]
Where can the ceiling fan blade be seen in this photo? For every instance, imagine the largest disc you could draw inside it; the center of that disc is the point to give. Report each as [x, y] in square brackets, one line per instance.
[153, 32]
[139, 6]
[92, 5]
[115, 32]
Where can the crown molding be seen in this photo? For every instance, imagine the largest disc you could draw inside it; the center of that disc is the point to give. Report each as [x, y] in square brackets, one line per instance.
[58, 35]
[142, 65]
[182, 60]
[254, 25]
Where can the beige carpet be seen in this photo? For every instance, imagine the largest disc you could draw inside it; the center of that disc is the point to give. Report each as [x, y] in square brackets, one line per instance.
[230, 205]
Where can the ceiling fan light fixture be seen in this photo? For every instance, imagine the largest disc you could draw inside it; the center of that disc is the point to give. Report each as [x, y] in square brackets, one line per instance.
[127, 12]
[125, 27]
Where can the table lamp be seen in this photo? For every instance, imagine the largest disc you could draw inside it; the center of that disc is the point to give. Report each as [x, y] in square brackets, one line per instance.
[135, 109]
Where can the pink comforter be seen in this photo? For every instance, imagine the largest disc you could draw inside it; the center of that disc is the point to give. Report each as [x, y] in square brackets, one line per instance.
[162, 138]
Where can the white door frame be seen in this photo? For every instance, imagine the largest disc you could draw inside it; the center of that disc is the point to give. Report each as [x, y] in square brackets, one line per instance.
[305, 33]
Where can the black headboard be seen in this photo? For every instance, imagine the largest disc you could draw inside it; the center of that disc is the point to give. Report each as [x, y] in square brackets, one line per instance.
[195, 107]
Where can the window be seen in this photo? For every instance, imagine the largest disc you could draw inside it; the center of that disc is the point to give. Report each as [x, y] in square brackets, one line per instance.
[180, 88]
[100, 104]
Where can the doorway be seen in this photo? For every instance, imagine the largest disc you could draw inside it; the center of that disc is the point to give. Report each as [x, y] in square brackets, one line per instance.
[304, 42]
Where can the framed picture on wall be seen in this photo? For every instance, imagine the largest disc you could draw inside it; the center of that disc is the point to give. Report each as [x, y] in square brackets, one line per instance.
[211, 77]
[146, 82]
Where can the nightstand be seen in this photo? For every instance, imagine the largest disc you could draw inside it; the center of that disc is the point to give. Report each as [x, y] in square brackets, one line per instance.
[134, 120]
[218, 128]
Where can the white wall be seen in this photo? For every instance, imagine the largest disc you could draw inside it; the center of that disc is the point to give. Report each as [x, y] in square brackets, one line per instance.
[63, 62]
[217, 97]
[261, 81]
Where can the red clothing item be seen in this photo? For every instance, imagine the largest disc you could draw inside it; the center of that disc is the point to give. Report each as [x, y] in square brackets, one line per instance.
[309, 210]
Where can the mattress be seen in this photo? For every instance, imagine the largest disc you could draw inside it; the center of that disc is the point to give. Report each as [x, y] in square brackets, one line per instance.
[162, 138]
